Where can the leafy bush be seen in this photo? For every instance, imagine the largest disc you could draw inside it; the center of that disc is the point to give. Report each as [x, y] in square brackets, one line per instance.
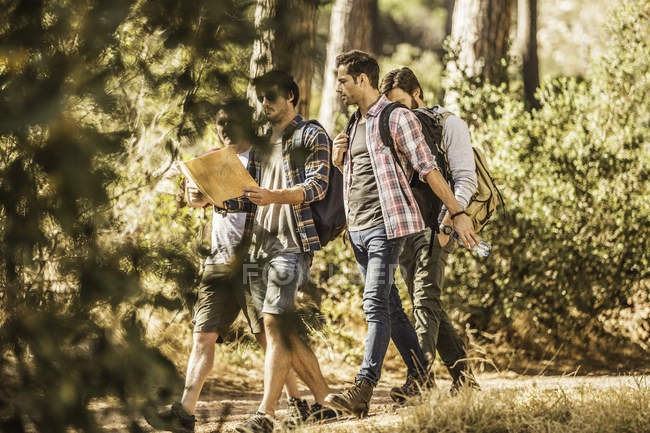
[574, 245]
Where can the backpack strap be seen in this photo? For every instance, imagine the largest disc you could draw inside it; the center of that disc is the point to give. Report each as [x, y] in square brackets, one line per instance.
[348, 127]
[298, 140]
[384, 129]
[433, 125]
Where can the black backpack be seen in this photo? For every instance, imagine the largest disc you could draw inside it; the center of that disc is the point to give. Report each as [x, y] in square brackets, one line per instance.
[487, 198]
[328, 213]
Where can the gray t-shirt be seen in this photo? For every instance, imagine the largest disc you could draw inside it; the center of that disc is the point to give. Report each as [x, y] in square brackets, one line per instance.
[364, 209]
[227, 230]
[275, 228]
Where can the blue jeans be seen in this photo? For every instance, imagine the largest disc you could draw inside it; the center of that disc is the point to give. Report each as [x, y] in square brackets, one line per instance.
[377, 258]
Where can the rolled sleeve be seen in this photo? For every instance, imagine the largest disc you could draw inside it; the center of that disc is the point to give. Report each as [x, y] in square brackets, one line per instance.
[410, 142]
[317, 164]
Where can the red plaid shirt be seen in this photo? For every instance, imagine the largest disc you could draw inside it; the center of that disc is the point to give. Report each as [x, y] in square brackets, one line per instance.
[398, 207]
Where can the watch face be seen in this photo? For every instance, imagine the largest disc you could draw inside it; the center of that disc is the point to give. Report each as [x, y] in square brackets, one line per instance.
[447, 229]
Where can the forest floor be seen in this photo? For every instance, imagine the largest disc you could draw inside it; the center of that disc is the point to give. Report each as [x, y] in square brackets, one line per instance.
[542, 396]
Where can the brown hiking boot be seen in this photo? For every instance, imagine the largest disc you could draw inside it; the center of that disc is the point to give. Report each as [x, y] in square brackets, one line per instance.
[413, 387]
[354, 400]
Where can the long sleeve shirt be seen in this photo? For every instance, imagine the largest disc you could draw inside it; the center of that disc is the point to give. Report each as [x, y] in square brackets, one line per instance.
[460, 156]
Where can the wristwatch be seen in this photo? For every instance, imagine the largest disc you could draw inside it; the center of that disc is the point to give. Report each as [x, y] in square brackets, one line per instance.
[445, 229]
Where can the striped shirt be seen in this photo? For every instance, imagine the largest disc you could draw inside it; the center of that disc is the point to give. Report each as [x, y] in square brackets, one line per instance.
[400, 211]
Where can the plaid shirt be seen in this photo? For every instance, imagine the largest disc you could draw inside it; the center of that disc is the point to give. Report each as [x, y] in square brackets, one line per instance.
[398, 207]
[306, 161]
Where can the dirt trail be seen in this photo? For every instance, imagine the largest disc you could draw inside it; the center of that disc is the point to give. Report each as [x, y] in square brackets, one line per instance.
[242, 399]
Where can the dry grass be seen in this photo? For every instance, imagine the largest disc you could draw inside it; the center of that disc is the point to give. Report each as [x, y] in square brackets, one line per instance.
[569, 408]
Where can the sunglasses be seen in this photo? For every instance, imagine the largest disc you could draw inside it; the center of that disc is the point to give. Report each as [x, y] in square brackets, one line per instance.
[270, 95]
[223, 122]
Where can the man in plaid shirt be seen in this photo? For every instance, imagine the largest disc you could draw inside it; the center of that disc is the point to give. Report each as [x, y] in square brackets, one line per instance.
[381, 211]
[294, 173]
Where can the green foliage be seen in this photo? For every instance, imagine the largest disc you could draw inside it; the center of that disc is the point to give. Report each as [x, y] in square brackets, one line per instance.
[575, 177]
[336, 273]
[425, 64]
[419, 23]
[98, 100]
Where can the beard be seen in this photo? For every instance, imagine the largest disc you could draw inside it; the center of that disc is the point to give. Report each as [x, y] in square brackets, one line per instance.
[413, 104]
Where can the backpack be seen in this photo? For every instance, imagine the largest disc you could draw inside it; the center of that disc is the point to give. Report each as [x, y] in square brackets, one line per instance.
[328, 213]
[487, 198]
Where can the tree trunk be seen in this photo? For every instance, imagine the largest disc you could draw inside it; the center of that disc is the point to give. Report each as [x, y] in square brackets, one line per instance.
[450, 15]
[442, 51]
[527, 48]
[480, 37]
[352, 25]
[286, 40]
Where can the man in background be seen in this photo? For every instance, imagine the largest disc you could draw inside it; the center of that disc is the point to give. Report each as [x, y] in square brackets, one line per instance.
[221, 292]
[424, 255]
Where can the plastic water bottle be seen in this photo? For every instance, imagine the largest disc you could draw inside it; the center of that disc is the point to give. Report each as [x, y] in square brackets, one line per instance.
[482, 249]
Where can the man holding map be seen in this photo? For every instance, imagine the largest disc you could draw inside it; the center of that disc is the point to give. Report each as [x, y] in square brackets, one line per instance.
[220, 292]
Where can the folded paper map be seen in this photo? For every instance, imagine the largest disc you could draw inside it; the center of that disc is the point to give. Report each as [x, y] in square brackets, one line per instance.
[219, 175]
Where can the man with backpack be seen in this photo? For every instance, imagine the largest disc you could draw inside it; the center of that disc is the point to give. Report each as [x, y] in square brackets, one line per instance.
[381, 211]
[424, 255]
[295, 172]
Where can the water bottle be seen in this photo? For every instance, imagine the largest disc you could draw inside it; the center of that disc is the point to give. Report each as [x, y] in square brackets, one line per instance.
[483, 249]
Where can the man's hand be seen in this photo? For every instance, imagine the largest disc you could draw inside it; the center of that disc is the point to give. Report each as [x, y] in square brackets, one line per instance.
[339, 147]
[260, 196]
[195, 198]
[465, 229]
[443, 239]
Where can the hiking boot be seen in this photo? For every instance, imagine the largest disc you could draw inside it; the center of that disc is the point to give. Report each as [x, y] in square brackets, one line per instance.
[297, 412]
[467, 380]
[320, 413]
[175, 419]
[354, 400]
[413, 387]
[258, 423]
[461, 377]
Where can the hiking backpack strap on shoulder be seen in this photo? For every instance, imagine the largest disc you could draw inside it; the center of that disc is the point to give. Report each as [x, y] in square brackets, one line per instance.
[328, 213]
[487, 199]
[384, 128]
[433, 128]
[350, 124]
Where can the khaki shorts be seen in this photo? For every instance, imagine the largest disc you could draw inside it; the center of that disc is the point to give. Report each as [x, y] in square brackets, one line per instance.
[221, 296]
